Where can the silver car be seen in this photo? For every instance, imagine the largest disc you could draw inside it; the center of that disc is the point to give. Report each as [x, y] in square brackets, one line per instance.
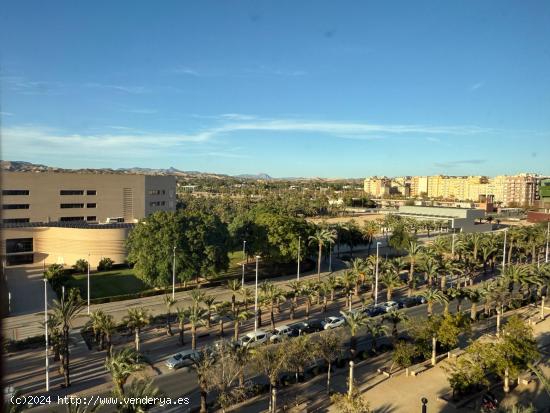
[183, 358]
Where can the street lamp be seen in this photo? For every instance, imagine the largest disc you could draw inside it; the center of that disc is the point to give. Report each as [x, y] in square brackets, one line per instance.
[299, 256]
[244, 259]
[376, 275]
[88, 283]
[504, 249]
[46, 333]
[453, 244]
[547, 236]
[424, 405]
[256, 297]
[174, 273]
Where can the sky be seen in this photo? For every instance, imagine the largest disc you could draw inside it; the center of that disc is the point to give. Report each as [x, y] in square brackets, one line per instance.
[287, 88]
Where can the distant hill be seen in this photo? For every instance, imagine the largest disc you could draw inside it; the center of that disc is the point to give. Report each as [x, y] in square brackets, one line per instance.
[260, 176]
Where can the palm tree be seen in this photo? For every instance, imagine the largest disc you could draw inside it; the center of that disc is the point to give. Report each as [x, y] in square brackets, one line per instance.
[308, 292]
[222, 310]
[332, 283]
[140, 391]
[348, 282]
[433, 296]
[182, 314]
[169, 302]
[94, 323]
[66, 311]
[414, 251]
[238, 317]
[395, 317]
[474, 296]
[107, 326]
[391, 281]
[320, 237]
[358, 268]
[353, 320]
[136, 319]
[246, 294]
[295, 288]
[196, 316]
[324, 290]
[209, 302]
[375, 329]
[271, 293]
[446, 268]
[204, 366]
[431, 270]
[197, 296]
[121, 365]
[235, 286]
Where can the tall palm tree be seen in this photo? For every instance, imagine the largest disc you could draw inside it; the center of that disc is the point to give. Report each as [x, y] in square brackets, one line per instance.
[358, 268]
[182, 314]
[395, 317]
[197, 317]
[295, 288]
[353, 320]
[321, 237]
[474, 296]
[107, 327]
[197, 296]
[308, 292]
[431, 270]
[94, 323]
[136, 319]
[234, 286]
[271, 293]
[209, 301]
[433, 296]
[66, 310]
[169, 302]
[348, 281]
[239, 316]
[375, 329]
[414, 251]
[332, 283]
[446, 268]
[391, 281]
[246, 294]
[121, 365]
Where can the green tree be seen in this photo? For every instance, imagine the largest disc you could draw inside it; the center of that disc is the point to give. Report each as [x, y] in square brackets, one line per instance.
[169, 303]
[321, 237]
[328, 347]
[81, 266]
[135, 320]
[121, 365]
[403, 355]
[105, 264]
[353, 320]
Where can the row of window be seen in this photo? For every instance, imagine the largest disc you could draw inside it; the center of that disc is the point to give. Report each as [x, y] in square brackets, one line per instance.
[157, 203]
[65, 219]
[157, 192]
[15, 206]
[77, 192]
[15, 220]
[88, 205]
[68, 219]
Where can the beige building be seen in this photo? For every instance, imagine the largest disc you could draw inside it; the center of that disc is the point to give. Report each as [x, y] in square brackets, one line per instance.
[377, 186]
[62, 217]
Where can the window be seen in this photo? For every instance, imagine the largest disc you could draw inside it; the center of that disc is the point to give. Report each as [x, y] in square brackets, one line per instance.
[15, 220]
[15, 192]
[91, 218]
[91, 192]
[71, 192]
[68, 219]
[15, 245]
[90, 205]
[157, 203]
[20, 259]
[72, 206]
[154, 192]
[15, 206]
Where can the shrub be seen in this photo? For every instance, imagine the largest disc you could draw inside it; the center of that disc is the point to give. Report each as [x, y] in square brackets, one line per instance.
[57, 276]
[81, 266]
[105, 264]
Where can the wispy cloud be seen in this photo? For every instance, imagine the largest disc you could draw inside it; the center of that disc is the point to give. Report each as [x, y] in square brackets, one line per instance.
[454, 164]
[275, 71]
[433, 139]
[237, 116]
[6, 114]
[476, 86]
[184, 70]
[24, 86]
[135, 90]
[141, 111]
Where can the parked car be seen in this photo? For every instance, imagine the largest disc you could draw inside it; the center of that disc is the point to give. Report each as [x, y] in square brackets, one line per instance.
[373, 311]
[307, 327]
[389, 305]
[333, 322]
[282, 332]
[183, 358]
[253, 339]
[411, 301]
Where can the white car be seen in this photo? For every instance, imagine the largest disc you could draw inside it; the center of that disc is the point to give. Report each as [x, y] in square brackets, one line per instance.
[333, 322]
[281, 333]
[253, 339]
[389, 305]
[184, 358]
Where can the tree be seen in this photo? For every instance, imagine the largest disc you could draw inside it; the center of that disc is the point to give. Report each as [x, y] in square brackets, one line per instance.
[353, 320]
[391, 280]
[205, 367]
[182, 314]
[201, 240]
[270, 361]
[105, 264]
[300, 353]
[235, 286]
[56, 275]
[400, 238]
[321, 237]
[395, 317]
[66, 310]
[94, 323]
[414, 250]
[328, 346]
[271, 293]
[168, 303]
[81, 266]
[295, 291]
[107, 326]
[239, 316]
[356, 403]
[433, 296]
[403, 355]
[121, 365]
[143, 394]
[135, 320]
[196, 316]
[209, 302]
[375, 329]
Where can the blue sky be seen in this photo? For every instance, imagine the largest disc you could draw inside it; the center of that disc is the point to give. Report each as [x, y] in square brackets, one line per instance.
[309, 88]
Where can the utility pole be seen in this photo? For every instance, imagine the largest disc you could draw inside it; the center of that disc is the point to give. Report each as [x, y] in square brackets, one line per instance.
[504, 249]
[256, 297]
[299, 258]
[244, 259]
[376, 275]
[174, 273]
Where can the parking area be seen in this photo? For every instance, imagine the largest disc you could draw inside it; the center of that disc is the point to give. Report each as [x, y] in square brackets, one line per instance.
[26, 287]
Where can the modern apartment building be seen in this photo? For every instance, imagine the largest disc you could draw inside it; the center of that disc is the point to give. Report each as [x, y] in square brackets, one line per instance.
[62, 217]
[96, 198]
[377, 186]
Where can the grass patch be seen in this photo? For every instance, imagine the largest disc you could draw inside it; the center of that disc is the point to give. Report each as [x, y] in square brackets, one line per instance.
[107, 283]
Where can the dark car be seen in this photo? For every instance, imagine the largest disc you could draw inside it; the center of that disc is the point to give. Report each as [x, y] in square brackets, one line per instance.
[411, 301]
[307, 327]
[373, 311]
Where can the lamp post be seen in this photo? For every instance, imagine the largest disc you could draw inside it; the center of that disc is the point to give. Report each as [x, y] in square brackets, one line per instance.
[453, 245]
[174, 273]
[547, 236]
[88, 283]
[424, 405]
[256, 297]
[46, 333]
[299, 257]
[504, 249]
[244, 259]
[376, 275]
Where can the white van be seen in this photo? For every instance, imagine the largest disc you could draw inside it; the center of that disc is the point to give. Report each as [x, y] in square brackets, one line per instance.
[253, 339]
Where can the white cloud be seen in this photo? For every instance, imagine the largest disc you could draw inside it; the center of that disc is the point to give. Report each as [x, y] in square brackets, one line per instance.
[476, 86]
[136, 90]
[6, 114]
